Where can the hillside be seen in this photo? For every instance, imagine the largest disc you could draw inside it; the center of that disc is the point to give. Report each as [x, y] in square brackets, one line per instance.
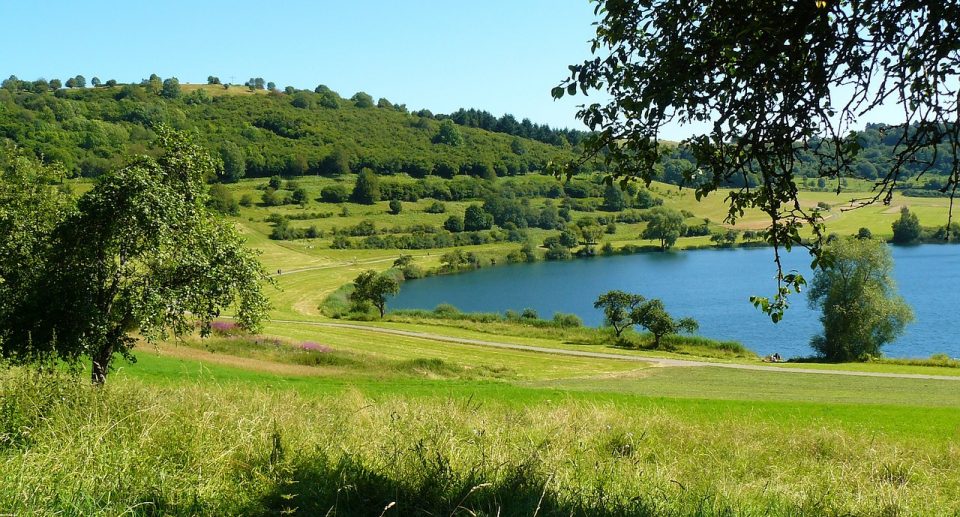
[258, 132]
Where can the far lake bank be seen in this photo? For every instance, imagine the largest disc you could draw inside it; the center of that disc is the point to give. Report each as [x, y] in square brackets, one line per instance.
[713, 286]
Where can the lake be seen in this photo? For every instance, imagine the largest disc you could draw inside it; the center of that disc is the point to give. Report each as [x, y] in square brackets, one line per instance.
[713, 286]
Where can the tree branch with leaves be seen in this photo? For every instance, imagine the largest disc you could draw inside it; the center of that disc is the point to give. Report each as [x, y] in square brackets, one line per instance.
[772, 80]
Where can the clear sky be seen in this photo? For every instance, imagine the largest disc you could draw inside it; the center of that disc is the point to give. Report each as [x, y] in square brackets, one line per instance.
[503, 56]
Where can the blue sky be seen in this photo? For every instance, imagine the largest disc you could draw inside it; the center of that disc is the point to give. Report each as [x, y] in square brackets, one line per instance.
[498, 55]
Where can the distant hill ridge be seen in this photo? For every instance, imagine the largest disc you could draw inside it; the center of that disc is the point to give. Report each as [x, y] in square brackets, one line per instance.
[262, 132]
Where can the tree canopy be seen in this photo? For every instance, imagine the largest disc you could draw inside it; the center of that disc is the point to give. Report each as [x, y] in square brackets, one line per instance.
[139, 252]
[906, 229]
[857, 295]
[771, 82]
[617, 308]
[652, 316]
[664, 225]
[374, 288]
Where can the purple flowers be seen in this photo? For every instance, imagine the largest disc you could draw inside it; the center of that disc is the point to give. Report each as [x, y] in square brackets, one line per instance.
[224, 328]
[310, 346]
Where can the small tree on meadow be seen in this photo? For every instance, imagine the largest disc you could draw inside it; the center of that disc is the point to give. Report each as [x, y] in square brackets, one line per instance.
[475, 218]
[395, 207]
[374, 288]
[617, 307]
[907, 228]
[652, 316]
[300, 197]
[665, 225]
[367, 188]
[613, 198]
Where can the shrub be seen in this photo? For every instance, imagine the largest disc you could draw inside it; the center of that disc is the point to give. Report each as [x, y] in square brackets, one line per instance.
[334, 194]
[567, 320]
[445, 310]
[436, 208]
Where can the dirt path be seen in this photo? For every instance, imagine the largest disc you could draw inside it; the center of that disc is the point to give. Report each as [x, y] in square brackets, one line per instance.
[658, 361]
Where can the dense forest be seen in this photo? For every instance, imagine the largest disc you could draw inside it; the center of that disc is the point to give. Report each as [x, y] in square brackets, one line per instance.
[259, 130]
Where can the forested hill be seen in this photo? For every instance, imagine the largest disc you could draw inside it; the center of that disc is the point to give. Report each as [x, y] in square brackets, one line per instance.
[261, 132]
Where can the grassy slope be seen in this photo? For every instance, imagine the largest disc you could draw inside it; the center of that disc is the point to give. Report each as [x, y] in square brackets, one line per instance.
[189, 431]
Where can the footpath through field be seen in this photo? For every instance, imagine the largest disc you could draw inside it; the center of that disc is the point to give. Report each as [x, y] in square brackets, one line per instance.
[658, 361]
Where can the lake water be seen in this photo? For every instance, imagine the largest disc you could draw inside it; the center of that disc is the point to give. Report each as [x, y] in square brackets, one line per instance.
[712, 286]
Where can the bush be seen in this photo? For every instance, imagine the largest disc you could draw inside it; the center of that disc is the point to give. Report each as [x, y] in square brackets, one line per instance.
[557, 252]
[445, 310]
[395, 207]
[436, 208]
[335, 194]
[567, 320]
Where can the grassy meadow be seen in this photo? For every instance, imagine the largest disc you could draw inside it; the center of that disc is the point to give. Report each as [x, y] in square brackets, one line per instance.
[313, 419]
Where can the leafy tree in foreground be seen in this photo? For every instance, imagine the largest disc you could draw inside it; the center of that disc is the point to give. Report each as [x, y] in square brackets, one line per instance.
[652, 316]
[372, 287]
[906, 229]
[30, 208]
[770, 82]
[617, 307]
[855, 291]
[665, 225]
[141, 253]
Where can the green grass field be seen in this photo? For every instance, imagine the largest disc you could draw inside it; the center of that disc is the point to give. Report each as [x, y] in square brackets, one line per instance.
[387, 424]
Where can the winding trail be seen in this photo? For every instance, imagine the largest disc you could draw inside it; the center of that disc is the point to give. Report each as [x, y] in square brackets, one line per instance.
[658, 361]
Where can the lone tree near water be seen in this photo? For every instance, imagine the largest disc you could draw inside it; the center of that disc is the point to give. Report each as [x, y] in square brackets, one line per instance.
[665, 225]
[140, 252]
[857, 295]
[769, 82]
[374, 288]
[652, 316]
[906, 229]
[617, 307]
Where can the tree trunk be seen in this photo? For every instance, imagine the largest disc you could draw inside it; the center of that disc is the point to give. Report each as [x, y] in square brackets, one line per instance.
[101, 365]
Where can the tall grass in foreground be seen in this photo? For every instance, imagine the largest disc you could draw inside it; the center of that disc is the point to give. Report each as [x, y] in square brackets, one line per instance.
[66, 447]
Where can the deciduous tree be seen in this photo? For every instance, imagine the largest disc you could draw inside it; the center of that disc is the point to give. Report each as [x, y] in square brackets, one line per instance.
[367, 188]
[664, 225]
[906, 229]
[617, 307]
[652, 316]
[768, 82]
[372, 287]
[857, 296]
[141, 253]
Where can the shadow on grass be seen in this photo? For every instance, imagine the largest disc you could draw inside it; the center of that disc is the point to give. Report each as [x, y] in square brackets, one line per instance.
[351, 487]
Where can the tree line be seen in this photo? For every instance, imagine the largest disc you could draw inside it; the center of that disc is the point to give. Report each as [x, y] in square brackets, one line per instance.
[285, 132]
